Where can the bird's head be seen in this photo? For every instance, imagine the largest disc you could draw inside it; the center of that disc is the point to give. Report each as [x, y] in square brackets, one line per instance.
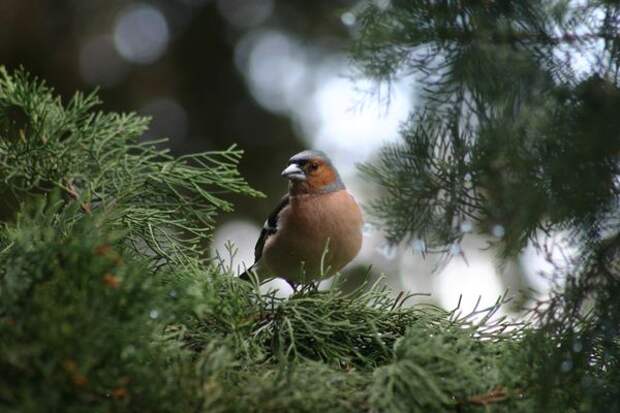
[311, 172]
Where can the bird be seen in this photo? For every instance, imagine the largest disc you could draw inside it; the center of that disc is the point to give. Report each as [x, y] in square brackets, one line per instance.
[315, 229]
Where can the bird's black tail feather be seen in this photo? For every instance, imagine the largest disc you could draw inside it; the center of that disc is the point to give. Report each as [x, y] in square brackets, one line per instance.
[245, 276]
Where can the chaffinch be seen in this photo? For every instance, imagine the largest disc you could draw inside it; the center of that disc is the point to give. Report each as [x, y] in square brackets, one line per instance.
[315, 230]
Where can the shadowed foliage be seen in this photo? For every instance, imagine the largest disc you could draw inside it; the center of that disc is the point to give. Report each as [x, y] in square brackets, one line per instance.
[516, 139]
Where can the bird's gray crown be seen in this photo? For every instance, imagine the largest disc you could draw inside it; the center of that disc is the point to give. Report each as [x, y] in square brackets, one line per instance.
[305, 156]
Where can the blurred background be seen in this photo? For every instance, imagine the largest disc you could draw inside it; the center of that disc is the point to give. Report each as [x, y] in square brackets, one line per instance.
[271, 76]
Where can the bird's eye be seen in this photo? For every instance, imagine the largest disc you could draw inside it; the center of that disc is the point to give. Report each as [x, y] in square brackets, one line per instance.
[314, 166]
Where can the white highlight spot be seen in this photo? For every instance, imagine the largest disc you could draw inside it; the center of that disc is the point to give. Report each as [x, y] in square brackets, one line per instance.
[141, 34]
[498, 231]
[455, 249]
[418, 245]
[466, 226]
[243, 234]
[276, 68]
[368, 229]
[387, 251]
[476, 279]
[355, 118]
[348, 18]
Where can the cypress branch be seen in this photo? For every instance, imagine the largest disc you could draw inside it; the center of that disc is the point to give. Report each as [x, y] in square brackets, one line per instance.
[96, 157]
[509, 133]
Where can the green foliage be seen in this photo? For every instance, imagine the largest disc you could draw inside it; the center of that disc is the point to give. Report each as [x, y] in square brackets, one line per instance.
[77, 322]
[96, 157]
[506, 130]
[512, 134]
[107, 305]
[85, 324]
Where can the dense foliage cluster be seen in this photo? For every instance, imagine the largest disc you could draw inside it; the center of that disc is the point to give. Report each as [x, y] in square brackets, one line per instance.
[98, 314]
[108, 304]
[516, 135]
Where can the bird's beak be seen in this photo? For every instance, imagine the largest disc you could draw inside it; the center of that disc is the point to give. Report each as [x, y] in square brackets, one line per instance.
[294, 172]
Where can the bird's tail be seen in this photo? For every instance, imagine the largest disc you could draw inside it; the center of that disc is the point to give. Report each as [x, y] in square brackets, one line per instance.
[246, 275]
[251, 273]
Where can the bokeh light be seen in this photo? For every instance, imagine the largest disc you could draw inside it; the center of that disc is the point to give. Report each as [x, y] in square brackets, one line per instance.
[498, 231]
[275, 66]
[348, 119]
[348, 18]
[141, 34]
[468, 282]
[355, 118]
[237, 232]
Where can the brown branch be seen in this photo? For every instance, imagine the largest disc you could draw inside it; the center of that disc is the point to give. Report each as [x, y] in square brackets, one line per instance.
[73, 193]
[496, 395]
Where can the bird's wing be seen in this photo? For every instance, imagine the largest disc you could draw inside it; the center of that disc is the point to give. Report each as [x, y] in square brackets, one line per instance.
[269, 228]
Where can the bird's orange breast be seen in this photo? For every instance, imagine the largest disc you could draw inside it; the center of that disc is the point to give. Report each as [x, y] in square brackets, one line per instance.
[309, 225]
